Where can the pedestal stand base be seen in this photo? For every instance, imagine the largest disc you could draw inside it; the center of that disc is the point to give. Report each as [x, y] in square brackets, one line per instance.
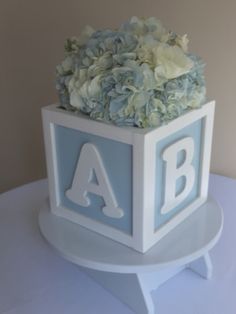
[129, 275]
[135, 289]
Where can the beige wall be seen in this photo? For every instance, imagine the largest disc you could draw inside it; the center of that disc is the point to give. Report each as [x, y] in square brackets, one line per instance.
[32, 35]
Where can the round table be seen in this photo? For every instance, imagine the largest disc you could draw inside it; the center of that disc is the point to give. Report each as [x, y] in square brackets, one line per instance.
[33, 279]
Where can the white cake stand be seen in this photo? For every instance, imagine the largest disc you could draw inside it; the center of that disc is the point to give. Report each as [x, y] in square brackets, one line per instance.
[129, 275]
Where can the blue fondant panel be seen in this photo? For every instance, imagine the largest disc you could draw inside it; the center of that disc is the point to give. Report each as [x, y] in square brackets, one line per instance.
[194, 130]
[117, 160]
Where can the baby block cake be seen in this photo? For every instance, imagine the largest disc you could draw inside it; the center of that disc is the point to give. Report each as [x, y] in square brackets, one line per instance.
[132, 185]
[128, 148]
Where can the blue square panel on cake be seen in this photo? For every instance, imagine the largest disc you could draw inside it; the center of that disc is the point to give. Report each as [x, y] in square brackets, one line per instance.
[117, 161]
[193, 132]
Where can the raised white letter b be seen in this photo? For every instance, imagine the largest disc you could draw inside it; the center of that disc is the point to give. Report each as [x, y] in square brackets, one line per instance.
[173, 172]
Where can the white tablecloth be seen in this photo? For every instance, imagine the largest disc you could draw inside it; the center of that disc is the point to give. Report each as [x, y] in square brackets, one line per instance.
[35, 280]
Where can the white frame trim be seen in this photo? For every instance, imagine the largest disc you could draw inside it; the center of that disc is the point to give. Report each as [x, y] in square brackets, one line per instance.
[143, 142]
[52, 117]
[207, 112]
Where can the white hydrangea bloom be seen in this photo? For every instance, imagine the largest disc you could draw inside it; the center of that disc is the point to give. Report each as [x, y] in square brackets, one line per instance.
[170, 62]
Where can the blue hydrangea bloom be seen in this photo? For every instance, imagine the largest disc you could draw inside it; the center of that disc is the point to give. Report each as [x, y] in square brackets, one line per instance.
[139, 75]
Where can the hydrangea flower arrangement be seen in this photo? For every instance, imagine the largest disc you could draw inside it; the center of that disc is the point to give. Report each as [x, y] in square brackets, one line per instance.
[138, 75]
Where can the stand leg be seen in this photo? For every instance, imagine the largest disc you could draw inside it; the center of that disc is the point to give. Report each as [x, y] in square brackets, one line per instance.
[129, 288]
[134, 289]
[202, 266]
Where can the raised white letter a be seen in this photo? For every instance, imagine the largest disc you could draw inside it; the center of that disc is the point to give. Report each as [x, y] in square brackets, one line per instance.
[90, 162]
